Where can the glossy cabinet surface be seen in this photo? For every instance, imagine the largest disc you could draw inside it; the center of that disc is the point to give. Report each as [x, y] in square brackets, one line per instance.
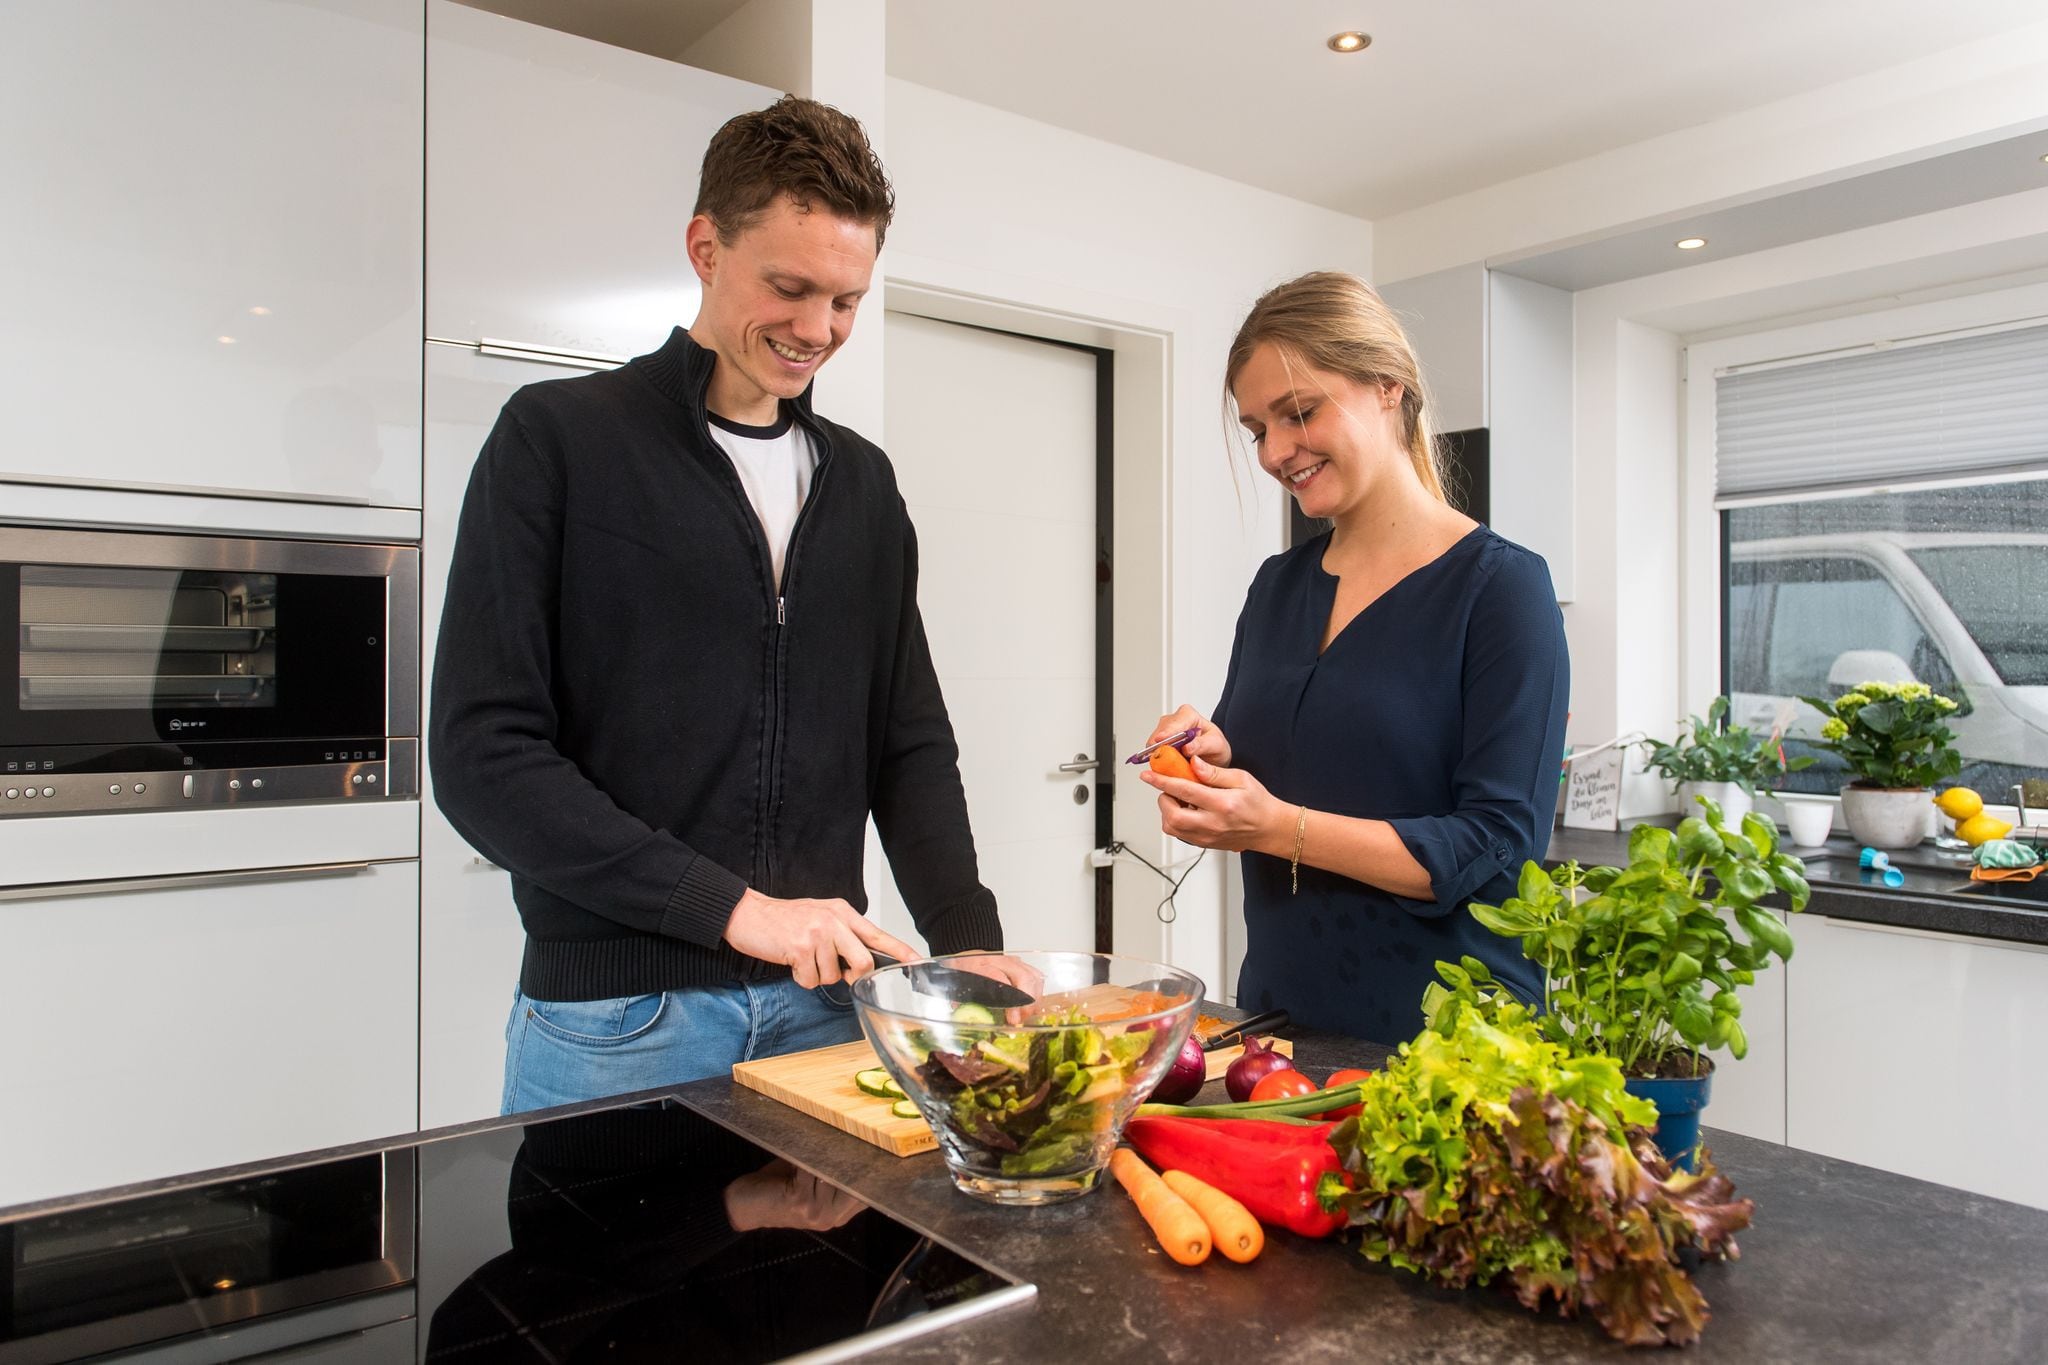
[214, 246]
[1919, 1053]
[470, 934]
[178, 1028]
[561, 175]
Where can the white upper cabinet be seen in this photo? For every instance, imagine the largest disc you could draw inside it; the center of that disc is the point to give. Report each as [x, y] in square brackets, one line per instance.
[213, 233]
[561, 173]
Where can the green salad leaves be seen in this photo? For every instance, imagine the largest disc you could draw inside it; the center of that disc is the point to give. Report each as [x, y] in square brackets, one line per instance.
[1035, 1102]
[1485, 1151]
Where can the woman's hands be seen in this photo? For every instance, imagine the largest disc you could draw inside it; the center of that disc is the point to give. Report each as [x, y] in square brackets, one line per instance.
[1226, 808]
[1208, 742]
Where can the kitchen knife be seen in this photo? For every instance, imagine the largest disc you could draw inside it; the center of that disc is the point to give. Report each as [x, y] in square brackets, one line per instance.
[1268, 1022]
[963, 987]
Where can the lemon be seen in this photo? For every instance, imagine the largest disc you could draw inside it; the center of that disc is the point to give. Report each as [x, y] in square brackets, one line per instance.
[1981, 828]
[1959, 803]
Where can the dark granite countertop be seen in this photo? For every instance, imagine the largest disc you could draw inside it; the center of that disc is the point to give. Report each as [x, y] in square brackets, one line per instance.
[1843, 1263]
[1938, 895]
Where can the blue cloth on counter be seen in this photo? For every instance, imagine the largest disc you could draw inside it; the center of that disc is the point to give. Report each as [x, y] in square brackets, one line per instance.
[1440, 708]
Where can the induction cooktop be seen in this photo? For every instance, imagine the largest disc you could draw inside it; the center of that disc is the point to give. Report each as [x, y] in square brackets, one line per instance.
[644, 1232]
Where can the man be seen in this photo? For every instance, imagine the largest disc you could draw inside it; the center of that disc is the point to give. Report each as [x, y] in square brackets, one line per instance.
[681, 661]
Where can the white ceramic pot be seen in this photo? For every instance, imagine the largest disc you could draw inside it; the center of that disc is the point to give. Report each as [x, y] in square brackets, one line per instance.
[1808, 818]
[1886, 817]
[1729, 796]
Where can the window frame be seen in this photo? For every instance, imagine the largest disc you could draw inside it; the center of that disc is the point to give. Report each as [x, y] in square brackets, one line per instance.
[1703, 534]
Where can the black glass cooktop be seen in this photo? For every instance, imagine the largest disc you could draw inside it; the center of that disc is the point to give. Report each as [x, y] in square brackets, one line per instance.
[628, 1234]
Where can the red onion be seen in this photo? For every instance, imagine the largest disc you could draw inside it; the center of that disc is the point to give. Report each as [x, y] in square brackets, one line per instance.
[1187, 1075]
[1258, 1062]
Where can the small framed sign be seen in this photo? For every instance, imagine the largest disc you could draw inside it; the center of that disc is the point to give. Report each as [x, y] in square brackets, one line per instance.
[1592, 798]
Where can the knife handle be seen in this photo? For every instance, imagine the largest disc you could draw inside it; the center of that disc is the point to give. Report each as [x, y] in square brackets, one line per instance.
[1258, 1023]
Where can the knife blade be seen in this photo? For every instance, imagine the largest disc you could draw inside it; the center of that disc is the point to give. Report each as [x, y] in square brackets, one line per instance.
[963, 987]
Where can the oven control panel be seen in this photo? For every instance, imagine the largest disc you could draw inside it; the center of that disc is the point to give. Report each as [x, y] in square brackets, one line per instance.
[352, 775]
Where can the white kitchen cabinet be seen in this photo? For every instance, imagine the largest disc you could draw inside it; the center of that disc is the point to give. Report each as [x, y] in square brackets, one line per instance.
[561, 173]
[470, 935]
[560, 176]
[1918, 1053]
[1749, 1095]
[193, 1023]
[215, 264]
[1496, 352]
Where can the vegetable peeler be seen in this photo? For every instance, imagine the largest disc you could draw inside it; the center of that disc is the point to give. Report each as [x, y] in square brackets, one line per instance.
[1144, 755]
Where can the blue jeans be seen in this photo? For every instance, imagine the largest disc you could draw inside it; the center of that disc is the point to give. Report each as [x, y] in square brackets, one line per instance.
[562, 1052]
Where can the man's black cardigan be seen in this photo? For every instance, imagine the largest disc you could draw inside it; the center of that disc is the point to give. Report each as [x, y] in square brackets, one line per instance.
[630, 719]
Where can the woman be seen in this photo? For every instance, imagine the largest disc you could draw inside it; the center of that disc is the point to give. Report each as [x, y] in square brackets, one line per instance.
[1386, 747]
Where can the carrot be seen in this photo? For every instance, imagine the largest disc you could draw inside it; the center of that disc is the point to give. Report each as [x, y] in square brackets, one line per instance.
[1172, 762]
[1179, 1228]
[1237, 1234]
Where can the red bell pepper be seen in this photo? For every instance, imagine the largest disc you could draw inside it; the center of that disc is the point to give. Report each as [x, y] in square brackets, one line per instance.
[1273, 1169]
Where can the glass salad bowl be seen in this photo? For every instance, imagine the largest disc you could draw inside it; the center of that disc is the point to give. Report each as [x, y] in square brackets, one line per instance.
[1027, 1065]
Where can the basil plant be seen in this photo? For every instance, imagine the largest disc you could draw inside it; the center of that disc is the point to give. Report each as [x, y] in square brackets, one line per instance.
[1642, 963]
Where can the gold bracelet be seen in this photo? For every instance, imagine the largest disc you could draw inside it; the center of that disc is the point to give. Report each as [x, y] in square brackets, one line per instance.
[1294, 870]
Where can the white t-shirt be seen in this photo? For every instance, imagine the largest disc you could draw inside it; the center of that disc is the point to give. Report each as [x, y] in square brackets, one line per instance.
[775, 465]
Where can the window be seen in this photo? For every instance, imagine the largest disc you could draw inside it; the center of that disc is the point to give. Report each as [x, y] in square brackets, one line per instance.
[1836, 570]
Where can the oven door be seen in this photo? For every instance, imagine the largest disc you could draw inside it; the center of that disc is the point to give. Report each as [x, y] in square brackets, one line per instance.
[134, 652]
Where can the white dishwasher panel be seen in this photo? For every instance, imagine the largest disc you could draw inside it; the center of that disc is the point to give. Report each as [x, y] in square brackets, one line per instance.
[182, 1027]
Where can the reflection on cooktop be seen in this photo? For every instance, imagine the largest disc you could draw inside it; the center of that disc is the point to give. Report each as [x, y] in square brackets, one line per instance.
[655, 1234]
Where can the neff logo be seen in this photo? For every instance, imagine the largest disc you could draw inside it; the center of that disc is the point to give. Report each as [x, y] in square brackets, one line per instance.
[188, 725]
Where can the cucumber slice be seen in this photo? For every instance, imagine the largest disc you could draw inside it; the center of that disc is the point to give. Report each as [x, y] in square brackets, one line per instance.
[979, 1016]
[904, 1109]
[895, 1090]
[878, 1082]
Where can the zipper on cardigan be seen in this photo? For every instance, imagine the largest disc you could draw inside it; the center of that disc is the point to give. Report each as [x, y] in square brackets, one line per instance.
[781, 616]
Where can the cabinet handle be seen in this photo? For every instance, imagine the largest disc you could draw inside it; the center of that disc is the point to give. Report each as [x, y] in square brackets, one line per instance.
[179, 881]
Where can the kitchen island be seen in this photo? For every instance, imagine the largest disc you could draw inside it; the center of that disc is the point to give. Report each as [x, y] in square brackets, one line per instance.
[1843, 1262]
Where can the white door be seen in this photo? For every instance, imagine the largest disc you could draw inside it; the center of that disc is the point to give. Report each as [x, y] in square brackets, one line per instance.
[993, 439]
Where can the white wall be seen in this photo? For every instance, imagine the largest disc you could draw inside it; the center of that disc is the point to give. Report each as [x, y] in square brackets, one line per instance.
[1001, 207]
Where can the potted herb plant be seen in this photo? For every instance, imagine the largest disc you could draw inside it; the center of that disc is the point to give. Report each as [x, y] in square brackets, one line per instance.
[1893, 737]
[1644, 963]
[1723, 763]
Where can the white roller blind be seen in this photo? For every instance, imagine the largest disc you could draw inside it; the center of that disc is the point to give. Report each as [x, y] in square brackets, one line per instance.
[1900, 414]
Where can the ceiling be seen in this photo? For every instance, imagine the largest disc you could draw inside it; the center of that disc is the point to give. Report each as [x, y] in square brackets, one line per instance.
[1452, 95]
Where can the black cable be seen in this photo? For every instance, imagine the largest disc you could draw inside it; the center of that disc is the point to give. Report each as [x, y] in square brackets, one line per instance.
[1172, 882]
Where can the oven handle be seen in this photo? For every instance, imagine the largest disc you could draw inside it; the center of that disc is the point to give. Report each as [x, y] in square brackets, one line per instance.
[51, 890]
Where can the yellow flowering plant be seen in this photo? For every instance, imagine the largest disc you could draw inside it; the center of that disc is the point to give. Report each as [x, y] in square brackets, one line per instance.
[1891, 735]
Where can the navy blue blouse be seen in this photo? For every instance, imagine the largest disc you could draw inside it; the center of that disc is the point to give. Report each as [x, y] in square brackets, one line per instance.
[1440, 708]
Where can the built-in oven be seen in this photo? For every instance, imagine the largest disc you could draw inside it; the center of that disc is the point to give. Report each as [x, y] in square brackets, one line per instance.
[157, 671]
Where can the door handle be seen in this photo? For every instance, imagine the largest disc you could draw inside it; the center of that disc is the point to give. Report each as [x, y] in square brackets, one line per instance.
[1081, 764]
[182, 880]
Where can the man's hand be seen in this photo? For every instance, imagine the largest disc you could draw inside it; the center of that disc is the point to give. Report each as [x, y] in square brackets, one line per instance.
[781, 1196]
[1227, 809]
[999, 967]
[811, 938]
[1208, 743]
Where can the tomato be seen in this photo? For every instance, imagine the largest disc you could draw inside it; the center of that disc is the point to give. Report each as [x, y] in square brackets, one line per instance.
[1283, 1083]
[1347, 1076]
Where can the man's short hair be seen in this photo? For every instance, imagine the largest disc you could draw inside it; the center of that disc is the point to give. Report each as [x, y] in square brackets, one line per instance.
[809, 151]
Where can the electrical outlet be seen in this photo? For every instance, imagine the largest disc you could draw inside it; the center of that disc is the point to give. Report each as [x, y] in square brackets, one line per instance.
[1101, 857]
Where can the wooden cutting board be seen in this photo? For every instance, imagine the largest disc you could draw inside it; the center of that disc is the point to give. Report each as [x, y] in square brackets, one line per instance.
[820, 1083]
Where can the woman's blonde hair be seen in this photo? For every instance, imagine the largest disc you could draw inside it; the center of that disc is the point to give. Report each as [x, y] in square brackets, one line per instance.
[1336, 322]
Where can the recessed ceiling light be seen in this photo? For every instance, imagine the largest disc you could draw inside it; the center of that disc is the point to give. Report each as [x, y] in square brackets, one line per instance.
[1351, 40]
[225, 341]
[1690, 243]
[259, 311]
[2044, 156]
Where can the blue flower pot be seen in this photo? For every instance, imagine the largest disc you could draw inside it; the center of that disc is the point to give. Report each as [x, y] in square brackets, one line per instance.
[1679, 1101]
